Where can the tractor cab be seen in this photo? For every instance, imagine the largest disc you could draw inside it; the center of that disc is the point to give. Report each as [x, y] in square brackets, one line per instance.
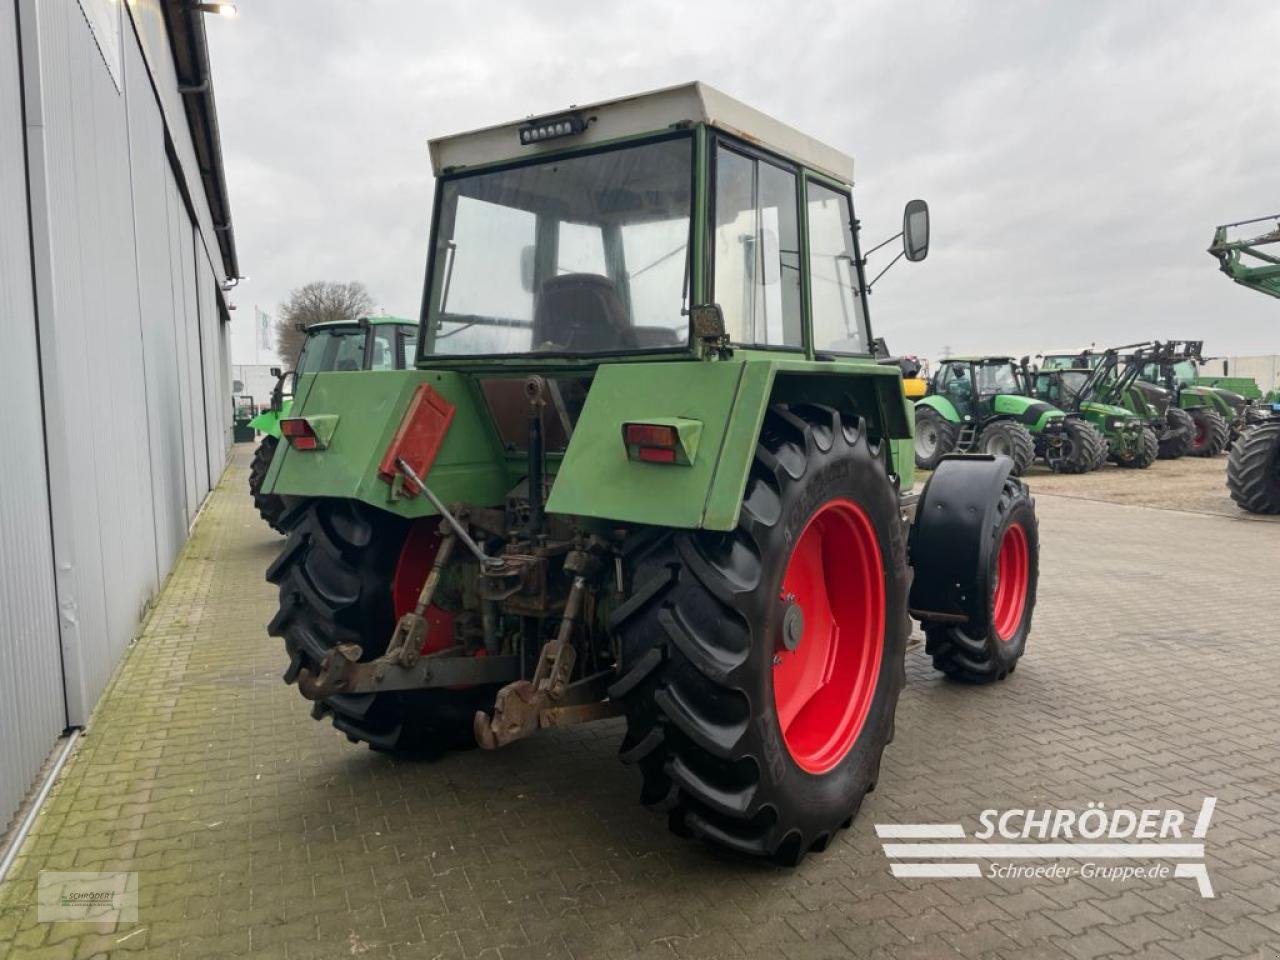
[973, 384]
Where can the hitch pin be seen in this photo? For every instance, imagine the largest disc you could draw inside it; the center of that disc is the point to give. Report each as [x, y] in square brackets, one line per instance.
[458, 528]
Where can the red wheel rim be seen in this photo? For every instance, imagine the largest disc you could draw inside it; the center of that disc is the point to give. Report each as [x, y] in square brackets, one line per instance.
[1013, 576]
[416, 557]
[823, 689]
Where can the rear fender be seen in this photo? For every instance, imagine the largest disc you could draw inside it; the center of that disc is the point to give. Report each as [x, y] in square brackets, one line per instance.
[369, 406]
[729, 400]
[949, 544]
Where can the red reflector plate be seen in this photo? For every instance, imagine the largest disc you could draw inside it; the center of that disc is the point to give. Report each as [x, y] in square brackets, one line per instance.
[418, 440]
[657, 454]
[650, 435]
[296, 427]
[303, 443]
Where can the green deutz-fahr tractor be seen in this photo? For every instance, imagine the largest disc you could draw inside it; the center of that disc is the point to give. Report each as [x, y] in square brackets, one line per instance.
[369, 343]
[1253, 469]
[979, 404]
[646, 465]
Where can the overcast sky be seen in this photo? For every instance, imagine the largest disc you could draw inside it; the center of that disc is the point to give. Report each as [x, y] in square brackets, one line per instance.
[1075, 155]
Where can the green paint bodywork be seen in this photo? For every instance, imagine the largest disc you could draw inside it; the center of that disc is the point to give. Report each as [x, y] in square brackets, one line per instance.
[268, 421]
[1027, 410]
[595, 478]
[945, 408]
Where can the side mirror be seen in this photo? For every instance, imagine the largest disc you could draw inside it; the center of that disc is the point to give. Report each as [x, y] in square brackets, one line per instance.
[526, 268]
[878, 349]
[237, 386]
[915, 230]
[275, 372]
[706, 323]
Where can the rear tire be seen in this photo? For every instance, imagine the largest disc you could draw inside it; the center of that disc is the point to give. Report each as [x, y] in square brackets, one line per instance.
[1009, 439]
[270, 506]
[1253, 469]
[991, 651]
[1178, 441]
[935, 438]
[707, 669]
[1210, 436]
[335, 576]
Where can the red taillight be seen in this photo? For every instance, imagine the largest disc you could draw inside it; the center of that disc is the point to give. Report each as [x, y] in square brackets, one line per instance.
[299, 433]
[657, 454]
[650, 435]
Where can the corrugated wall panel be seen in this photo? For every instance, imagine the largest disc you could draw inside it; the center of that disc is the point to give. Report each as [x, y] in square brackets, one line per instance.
[217, 395]
[156, 318]
[193, 444]
[32, 713]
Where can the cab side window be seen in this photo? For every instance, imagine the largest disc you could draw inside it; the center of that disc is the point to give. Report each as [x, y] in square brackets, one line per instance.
[757, 250]
[839, 323]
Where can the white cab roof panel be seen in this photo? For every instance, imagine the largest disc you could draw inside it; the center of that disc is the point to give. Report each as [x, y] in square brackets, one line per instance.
[652, 112]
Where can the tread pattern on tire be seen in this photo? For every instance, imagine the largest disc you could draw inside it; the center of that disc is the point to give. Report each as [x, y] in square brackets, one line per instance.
[1178, 443]
[1252, 469]
[1022, 446]
[335, 573]
[1088, 448]
[1146, 454]
[980, 659]
[1216, 432]
[271, 507]
[692, 728]
[947, 436]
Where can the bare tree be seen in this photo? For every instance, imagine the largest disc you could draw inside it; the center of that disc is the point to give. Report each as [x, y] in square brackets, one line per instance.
[319, 301]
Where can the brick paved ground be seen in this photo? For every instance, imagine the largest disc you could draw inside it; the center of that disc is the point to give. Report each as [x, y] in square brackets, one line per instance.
[1151, 679]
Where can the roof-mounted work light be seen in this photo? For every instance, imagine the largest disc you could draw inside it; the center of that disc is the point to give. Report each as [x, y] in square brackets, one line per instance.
[566, 126]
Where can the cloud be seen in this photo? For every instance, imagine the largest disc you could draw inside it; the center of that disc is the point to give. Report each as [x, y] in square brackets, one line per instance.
[1075, 155]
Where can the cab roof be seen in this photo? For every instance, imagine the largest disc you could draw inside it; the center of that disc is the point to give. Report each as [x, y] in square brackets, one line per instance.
[976, 359]
[378, 320]
[651, 112]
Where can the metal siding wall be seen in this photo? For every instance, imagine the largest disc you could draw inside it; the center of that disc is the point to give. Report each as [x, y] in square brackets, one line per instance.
[136, 381]
[32, 713]
[157, 318]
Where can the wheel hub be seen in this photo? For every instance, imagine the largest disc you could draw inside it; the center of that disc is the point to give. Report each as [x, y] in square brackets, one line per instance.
[832, 632]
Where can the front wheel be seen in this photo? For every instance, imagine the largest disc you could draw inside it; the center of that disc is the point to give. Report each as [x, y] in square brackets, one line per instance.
[1180, 429]
[1079, 450]
[1146, 446]
[761, 667]
[935, 438]
[1253, 469]
[987, 649]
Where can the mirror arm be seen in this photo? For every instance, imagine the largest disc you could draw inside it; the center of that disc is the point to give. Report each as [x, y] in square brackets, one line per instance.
[879, 245]
[901, 254]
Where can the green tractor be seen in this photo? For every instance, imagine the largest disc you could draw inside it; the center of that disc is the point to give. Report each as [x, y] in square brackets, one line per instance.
[1219, 414]
[369, 343]
[646, 465]
[979, 404]
[1089, 384]
[1123, 385]
[1253, 469]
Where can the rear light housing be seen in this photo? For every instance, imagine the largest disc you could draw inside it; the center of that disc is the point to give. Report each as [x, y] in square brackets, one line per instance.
[665, 440]
[308, 433]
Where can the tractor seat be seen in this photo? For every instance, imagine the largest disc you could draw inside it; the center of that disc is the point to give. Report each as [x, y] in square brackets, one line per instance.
[580, 312]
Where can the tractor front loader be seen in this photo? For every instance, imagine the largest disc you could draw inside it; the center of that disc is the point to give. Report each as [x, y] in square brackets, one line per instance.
[1087, 384]
[646, 465]
[1253, 469]
[980, 405]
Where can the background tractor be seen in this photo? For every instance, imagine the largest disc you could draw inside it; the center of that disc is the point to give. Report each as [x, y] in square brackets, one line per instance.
[1126, 385]
[646, 464]
[369, 343]
[979, 405]
[1069, 382]
[1175, 365]
[1253, 470]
